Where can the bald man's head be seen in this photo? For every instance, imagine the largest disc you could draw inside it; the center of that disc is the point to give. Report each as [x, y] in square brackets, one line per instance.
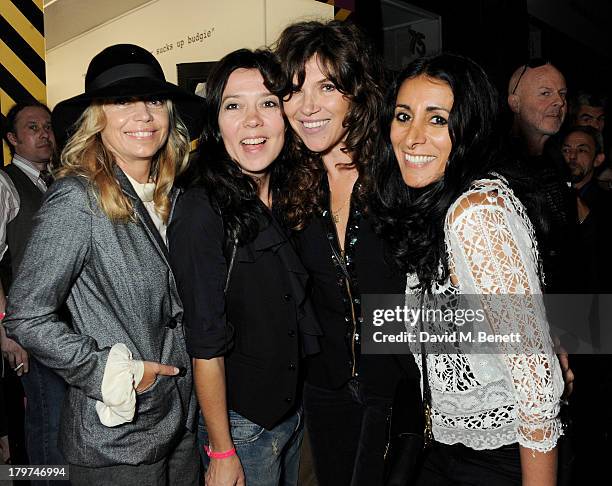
[536, 96]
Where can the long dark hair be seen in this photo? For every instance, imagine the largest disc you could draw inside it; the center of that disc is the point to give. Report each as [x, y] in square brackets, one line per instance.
[233, 192]
[412, 220]
[350, 61]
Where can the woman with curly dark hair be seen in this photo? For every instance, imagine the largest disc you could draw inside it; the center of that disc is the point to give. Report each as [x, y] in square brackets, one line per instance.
[457, 228]
[241, 282]
[335, 92]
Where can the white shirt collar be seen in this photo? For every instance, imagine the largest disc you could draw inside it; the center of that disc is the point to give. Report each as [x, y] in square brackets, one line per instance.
[26, 166]
[145, 191]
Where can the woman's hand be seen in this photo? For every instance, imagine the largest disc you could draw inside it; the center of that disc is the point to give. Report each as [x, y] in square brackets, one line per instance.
[568, 374]
[5, 450]
[16, 356]
[225, 472]
[151, 371]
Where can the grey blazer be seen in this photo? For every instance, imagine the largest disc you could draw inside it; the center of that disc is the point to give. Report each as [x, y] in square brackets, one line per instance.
[116, 281]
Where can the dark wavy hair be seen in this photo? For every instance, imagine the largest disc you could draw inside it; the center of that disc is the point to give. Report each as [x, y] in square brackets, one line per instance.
[586, 98]
[234, 193]
[350, 61]
[412, 220]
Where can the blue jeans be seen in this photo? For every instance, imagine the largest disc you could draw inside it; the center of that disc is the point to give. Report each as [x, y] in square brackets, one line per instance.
[44, 391]
[268, 457]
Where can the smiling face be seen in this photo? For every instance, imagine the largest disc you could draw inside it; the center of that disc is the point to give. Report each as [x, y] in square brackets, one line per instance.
[251, 122]
[539, 102]
[317, 111]
[135, 130]
[33, 137]
[419, 130]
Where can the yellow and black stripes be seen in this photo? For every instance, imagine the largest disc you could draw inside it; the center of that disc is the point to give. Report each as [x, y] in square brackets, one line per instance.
[342, 8]
[22, 54]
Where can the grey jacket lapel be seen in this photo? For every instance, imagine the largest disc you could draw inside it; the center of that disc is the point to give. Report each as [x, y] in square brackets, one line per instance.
[142, 214]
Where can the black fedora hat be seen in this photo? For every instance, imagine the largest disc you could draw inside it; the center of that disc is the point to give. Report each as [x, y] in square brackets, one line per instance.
[126, 71]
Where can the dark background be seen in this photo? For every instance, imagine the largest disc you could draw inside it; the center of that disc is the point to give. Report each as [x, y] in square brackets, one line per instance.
[574, 35]
[496, 33]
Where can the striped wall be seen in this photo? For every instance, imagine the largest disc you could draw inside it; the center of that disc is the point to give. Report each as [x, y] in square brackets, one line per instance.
[22, 51]
[22, 55]
[342, 8]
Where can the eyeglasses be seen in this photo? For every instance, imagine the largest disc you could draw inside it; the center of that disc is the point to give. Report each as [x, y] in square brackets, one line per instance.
[532, 63]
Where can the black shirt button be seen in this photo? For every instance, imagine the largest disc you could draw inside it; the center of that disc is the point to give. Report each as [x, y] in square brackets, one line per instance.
[171, 324]
[291, 333]
[292, 366]
[287, 297]
[288, 399]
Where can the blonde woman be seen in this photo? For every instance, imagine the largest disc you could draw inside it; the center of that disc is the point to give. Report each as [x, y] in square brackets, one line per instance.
[99, 246]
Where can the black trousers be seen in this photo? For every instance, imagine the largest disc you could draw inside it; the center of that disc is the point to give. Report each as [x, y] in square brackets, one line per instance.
[458, 465]
[348, 430]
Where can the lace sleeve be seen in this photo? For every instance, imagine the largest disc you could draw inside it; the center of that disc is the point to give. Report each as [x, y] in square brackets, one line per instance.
[492, 254]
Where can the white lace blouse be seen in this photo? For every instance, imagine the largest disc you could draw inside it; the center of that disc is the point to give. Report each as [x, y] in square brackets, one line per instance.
[485, 401]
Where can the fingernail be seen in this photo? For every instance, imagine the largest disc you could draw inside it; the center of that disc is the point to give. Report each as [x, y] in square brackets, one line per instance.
[182, 371]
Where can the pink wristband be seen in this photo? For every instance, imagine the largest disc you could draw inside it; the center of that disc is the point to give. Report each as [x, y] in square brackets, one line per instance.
[220, 455]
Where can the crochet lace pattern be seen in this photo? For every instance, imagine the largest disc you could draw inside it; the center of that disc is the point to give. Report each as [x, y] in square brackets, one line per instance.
[485, 401]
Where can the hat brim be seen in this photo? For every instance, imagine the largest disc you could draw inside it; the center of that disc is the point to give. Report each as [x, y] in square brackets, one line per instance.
[189, 107]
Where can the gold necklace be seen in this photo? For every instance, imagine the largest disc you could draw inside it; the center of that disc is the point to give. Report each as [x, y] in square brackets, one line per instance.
[336, 213]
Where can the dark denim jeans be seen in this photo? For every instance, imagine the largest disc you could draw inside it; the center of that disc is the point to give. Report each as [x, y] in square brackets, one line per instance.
[458, 465]
[348, 430]
[268, 457]
[44, 391]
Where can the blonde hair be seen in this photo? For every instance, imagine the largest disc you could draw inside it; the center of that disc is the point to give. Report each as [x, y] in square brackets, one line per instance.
[86, 156]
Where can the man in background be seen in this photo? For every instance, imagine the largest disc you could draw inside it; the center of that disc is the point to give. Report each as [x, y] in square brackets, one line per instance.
[582, 150]
[22, 186]
[537, 98]
[588, 109]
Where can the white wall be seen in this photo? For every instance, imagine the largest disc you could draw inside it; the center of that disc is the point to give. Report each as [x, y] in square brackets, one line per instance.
[280, 13]
[178, 31]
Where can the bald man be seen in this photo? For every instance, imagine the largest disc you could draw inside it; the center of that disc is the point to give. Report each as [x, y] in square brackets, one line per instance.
[537, 97]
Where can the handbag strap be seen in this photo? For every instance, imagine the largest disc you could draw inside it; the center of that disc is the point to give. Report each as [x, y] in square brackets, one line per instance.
[428, 432]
